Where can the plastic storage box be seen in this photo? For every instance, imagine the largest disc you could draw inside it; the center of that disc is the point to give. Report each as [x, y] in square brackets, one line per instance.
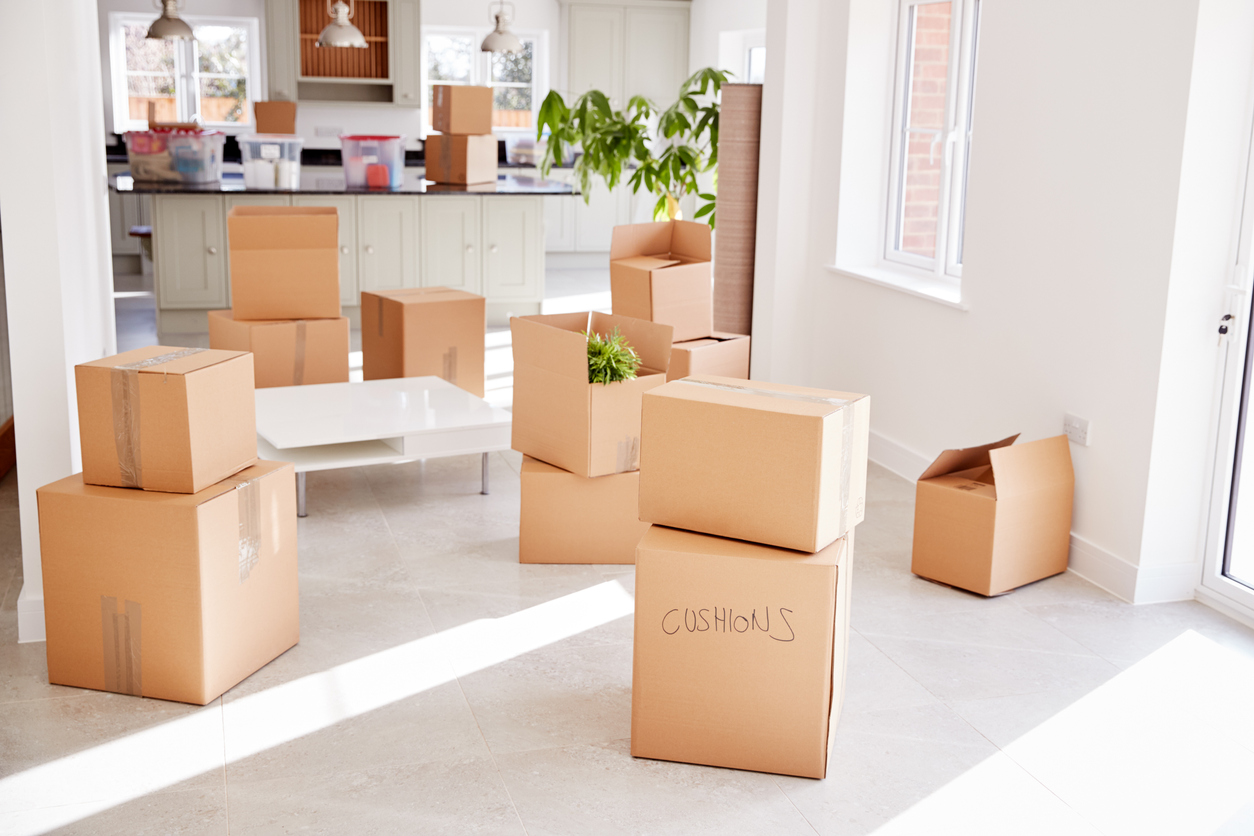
[175, 155]
[271, 161]
[373, 162]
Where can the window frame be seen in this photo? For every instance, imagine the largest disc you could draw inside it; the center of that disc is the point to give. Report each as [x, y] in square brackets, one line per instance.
[186, 71]
[481, 69]
[954, 141]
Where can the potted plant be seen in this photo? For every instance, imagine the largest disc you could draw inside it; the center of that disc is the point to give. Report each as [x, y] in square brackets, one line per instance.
[610, 358]
[666, 154]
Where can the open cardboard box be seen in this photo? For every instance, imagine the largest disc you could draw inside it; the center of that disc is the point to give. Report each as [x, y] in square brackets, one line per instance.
[173, 596]
[569, 519]
[592, 429]
[286, 352]
[720, 354]
[764, 462]
[285, 262]
[661, 272]
[740, 652]
[419, 331]
[992, 518]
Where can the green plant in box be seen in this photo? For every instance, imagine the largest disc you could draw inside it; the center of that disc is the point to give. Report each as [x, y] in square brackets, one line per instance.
[610, 358]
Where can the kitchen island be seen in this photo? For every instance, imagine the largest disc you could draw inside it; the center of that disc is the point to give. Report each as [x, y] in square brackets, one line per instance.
[486, 239]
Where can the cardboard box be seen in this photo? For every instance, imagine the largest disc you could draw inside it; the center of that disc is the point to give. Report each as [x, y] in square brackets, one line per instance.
[285, 262]
[275, 117]
[592, 429]
[764, 462]
[173, 596]
[166, 419]
[722, 355]
[286, 352]
[460, 109]
[740, 652]
[572, 519]
[424, 331]
[661, 272]
[459, 159]
[992, 518]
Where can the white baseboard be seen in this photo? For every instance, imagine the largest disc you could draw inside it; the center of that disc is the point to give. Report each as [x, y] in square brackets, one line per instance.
[900, 459]
[1173, 582]
[1102, 568]
[30, 617]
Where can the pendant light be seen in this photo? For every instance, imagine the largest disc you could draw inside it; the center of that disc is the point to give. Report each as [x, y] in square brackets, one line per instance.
[501, 39]
[339, 32]
[170, 26]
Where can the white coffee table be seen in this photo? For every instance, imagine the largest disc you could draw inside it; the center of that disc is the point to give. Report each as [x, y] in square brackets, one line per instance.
[331, 425]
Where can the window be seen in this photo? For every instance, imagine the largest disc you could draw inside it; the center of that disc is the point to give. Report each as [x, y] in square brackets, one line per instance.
[518, 81]
[936, 42]
[210, 79]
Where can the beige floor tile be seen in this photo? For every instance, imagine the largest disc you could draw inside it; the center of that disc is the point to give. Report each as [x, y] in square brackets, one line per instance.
[179, 812]
[601, 789]
[876, 683]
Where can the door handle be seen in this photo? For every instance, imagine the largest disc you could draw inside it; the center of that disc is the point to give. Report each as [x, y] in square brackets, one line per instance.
[470, 248]
[369, 250]
[492, 248]
[344, 250]
[213, 251]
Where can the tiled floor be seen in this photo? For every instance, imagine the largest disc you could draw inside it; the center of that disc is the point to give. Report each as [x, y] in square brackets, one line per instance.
[943, 686]
[441, 687]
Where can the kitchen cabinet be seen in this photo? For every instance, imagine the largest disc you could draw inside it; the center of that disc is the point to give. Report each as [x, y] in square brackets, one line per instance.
[125, 211]
[451, 254]
[346, 206]
[387, 242]
[627, 49]
[282, 48]
[656, 48]
[513, 262]
[189, 251]
[559, 223]
[595, 221]
[406, 67]
[596, 51]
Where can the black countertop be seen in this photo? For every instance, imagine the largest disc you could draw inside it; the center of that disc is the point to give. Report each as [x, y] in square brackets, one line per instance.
[321, 182]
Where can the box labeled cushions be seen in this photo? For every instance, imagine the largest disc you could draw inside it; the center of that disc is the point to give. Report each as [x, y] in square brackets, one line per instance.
[424, 331]
[764, 462]
[166, 419]
[739, 657]
[723, 355]
[992, 518]
[661, 272]
[571, 519]
[286, 352]
[460, 159]
[285, 262]
[461, 109]
[592, 429]
[173, 596]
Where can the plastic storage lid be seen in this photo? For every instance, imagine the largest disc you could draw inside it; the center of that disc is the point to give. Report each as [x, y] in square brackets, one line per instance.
[270, 138]
[369, 137]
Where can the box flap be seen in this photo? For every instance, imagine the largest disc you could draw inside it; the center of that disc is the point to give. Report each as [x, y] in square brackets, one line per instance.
[422, 294]
[755, 394]
[74, 485]
[283, 228]
[1029, 467]
[688, 345]
[691, 239]
[965, 459]
[553, 342]
[176, 360]
[661, 538]
[640, 239]
[651, 340]
[647, 262]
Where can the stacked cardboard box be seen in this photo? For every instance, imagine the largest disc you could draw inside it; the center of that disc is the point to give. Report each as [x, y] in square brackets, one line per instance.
[743, 580]
[581, 440]
[169, 563]
[464, 152]
[419, 331]
[285, 293]
[661, 272]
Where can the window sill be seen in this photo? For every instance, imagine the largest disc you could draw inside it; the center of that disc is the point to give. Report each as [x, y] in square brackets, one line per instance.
[948, 293]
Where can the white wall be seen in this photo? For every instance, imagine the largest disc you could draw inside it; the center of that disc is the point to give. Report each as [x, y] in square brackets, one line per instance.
[1074, 200]
[708, 18]
[54, 222]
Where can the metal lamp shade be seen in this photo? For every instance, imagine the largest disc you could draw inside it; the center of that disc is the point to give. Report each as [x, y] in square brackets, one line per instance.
[501, 40]
[170, 26]
[339, 32]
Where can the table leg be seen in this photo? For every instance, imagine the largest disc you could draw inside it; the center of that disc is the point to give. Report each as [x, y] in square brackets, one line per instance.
[300, 495]
[484, 492]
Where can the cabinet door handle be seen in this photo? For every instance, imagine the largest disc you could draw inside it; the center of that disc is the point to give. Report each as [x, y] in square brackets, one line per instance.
[470, 248]
[344, 250]
[213, 251]
[492, 248]
[407, 95]
[369, 250]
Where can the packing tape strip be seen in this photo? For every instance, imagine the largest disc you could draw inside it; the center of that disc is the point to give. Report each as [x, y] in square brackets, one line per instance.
[122, 645]
[298, 365]
[846, 429]
[628, 454]
[446, 158]
[380, 300]
[450, 365]
[248, 495]
[124, 383]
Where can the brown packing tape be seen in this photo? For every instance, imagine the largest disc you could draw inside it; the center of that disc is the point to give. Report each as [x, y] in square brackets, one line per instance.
[248, 494]
[446, 158]
[122, 646]
[298, 364]
[380, 317]
[846, 429]
[628, 454]
[450, 365]
[124, 382]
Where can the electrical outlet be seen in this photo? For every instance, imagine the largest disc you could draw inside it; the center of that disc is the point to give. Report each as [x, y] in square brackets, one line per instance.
[323, 130]
[1077, 429]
